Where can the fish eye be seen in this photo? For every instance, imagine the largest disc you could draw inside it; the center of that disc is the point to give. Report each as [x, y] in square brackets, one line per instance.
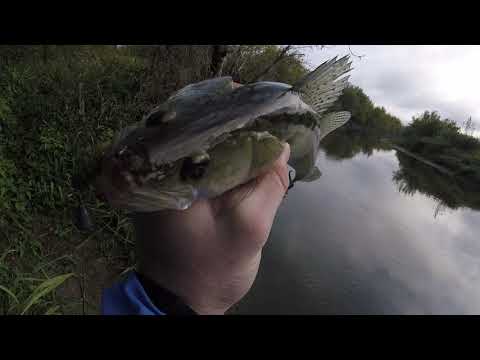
[193, 170]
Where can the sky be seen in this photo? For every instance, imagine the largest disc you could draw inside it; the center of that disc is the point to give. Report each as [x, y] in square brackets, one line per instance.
[410, 79]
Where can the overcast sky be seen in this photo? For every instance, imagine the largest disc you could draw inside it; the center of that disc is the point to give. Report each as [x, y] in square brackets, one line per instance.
[410, 79]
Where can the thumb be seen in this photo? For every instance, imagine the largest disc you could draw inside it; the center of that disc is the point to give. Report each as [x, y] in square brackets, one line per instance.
[253, 206]
[270, 187]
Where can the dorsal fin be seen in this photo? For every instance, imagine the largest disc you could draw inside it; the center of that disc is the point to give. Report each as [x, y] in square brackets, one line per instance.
[320, 88]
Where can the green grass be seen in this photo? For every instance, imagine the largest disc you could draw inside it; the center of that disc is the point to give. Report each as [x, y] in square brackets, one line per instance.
[53, 118]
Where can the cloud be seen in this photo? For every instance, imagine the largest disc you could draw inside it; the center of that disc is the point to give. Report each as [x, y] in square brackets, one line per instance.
[408, 80]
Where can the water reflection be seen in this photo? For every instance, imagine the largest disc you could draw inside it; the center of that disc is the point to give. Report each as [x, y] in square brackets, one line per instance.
[351, 243]
[343, 145]
[414, 176]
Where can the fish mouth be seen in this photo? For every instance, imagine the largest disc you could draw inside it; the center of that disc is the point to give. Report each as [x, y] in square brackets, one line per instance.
[121, 191]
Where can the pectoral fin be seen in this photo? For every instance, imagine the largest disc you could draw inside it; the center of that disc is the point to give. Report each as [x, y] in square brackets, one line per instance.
[332, 121]
[313, 175]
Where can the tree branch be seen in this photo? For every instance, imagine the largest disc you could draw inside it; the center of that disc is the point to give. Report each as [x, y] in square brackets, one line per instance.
[219, 53]
[280, 57]
[351, 53]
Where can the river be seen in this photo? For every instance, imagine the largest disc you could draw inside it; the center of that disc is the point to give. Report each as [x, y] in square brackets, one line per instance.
[352, 243]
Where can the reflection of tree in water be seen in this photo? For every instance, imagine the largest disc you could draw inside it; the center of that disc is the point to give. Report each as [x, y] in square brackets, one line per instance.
[453, 192]
[413, 176]
[342, 145]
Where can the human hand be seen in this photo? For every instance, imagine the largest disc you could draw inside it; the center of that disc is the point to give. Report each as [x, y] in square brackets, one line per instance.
[209, 254]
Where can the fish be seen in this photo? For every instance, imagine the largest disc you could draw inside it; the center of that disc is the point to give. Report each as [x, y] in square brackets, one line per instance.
[212, 136]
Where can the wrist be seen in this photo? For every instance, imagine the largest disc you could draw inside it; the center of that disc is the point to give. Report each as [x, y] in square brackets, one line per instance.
[179, 297]
[164, 299]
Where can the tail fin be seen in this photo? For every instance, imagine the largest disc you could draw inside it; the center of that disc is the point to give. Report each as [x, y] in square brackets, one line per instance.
[332, 121]
[319, 89]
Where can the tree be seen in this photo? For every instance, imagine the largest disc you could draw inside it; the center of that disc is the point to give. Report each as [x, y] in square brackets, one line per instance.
[365, 115]
[250, 63]
[469, 126]
[219, 53]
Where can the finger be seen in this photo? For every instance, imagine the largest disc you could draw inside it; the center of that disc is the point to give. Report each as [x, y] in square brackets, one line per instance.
[271, 186]
[232, 198]
[275, 173]
[258, 210]
[251, 207]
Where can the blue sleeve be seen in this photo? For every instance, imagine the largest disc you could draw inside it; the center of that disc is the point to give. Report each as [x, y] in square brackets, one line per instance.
[128, 297]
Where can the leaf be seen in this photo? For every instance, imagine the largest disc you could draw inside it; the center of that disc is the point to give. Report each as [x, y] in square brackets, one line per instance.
[52, 310]
[9, 293]
[43, 289]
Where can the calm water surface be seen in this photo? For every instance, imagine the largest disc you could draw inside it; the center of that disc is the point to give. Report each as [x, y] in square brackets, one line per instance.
[351, 243]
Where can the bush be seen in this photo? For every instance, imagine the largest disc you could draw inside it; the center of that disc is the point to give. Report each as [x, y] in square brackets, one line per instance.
[441, 141]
